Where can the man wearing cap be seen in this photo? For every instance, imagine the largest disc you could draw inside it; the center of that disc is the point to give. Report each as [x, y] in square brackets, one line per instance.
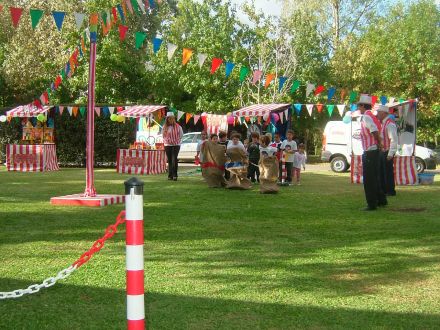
[371, 144]
[388, 134]
[172, 137]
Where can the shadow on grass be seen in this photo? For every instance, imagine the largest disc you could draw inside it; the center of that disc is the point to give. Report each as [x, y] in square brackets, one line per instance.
[66, 306]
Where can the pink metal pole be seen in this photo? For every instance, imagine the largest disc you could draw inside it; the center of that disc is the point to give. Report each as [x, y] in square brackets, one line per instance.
[90, 146]
[134, 240]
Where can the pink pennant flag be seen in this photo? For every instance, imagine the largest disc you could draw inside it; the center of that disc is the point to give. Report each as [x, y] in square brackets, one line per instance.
[98, 111]
[61, 108]
[129, 6]
[257, 76]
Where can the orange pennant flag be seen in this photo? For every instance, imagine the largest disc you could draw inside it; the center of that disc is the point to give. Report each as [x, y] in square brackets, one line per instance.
[75, 111]
[248, 119]
[94, 18]
[343, 93]
[269, 78]
[105, 29]
[319, 107]
[187, 53]
[188, 117]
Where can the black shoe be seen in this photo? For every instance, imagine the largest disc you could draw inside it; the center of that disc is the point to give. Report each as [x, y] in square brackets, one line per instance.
[382, 204]
[391, 194]
[174, 179]
[369, 208]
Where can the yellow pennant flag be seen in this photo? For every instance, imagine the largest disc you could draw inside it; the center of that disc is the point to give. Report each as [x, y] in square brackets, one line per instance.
[269, 78]
[187, 53]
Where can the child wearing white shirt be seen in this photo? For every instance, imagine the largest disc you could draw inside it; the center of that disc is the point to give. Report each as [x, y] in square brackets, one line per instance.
[299, 160]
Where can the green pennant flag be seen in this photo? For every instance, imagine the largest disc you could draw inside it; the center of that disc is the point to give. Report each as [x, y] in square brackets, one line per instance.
[353, 96]
[243, 73]
[330, 108]
[135, 6]
[36, 15]
[140, 37]
[49, 92]
[401, 100]
[104, 17]
[63, 74]
[82, 111]
[295, 86]
[131, 120]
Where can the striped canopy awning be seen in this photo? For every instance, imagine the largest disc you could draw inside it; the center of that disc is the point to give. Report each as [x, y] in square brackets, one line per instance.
[138, 111]
[260, 109]
[27, 111]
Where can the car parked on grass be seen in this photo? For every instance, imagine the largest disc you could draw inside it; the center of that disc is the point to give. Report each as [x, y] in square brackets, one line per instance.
[188, 147]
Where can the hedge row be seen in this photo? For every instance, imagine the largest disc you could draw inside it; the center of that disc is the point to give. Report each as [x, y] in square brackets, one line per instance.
[70, 138]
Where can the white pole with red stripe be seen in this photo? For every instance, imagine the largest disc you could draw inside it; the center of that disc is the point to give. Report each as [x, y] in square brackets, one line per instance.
[134, 221]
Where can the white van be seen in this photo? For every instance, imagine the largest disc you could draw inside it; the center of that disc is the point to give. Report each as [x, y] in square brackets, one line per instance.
[340, 140]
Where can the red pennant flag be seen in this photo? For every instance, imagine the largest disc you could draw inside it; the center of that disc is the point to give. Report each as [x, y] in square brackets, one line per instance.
[319, 107]
[269, 78]
[204, 121]
[122, 32]
[115, 14]
[216, 62]
[374, 99]
[1, 8]
[58, 81]
[37, 103]
[15, 15]
[319, 90]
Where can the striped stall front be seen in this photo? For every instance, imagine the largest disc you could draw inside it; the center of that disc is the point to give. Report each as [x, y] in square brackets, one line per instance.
[260, 110]
[31, 158]
[132, 161]
[405, 170]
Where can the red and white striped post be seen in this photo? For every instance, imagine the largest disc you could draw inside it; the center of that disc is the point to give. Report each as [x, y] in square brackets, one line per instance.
[134, 221]
[90, 190]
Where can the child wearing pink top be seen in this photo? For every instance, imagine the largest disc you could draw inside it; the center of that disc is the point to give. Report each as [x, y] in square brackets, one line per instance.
[299, 160]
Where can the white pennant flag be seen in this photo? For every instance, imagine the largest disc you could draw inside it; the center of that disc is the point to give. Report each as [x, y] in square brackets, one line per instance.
[286, 114]
[341, 109]
[281, 117]
[111, 110]
[109, 18]
[87, 33]
[309, 108]
[392, 100]
[70, 110]
[141, 5]
[79, 19]
[196, 119]
[202, 58]
[180, 114]
[310, 88]
[171, 50]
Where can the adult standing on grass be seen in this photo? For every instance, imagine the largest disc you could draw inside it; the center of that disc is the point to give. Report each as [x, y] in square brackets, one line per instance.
[172, 137]
[388, 134]
[371, 144]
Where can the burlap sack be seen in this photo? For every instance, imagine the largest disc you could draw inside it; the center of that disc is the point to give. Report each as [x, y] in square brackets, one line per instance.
[269, 170]
[213, 167]
[238, 178]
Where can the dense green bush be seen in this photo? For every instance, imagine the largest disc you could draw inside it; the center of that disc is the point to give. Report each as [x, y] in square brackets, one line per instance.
[70, 138]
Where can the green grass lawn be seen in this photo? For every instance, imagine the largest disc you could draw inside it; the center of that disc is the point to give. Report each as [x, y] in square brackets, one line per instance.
[216, 259]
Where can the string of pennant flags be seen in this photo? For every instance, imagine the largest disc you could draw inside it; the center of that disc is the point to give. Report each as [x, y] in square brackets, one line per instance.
[117, 16]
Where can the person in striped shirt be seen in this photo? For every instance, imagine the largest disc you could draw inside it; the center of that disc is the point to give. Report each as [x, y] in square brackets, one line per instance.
[172, 137]
[371, 143]
[388, 134]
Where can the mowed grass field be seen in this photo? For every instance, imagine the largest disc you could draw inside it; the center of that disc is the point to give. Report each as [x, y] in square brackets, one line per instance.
[307, 258]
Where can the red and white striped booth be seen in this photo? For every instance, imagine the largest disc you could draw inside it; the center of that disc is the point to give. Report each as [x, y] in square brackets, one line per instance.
[31, 158]
[132, 161]
[405, 170]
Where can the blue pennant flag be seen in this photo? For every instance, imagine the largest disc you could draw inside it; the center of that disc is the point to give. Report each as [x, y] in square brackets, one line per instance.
[331, 93]
[52, 87]
[121, 13]
[58, 16]
[80, 51]
[57, 109]
[353, 107]
[297, 107]
[157, 42]
[282, 81]
[229, 67]
[152, 4]
[383, 100]
[67, 68]
[105, 111]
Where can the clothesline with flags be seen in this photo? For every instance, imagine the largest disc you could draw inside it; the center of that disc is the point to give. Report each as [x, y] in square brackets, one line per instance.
[117, 15]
